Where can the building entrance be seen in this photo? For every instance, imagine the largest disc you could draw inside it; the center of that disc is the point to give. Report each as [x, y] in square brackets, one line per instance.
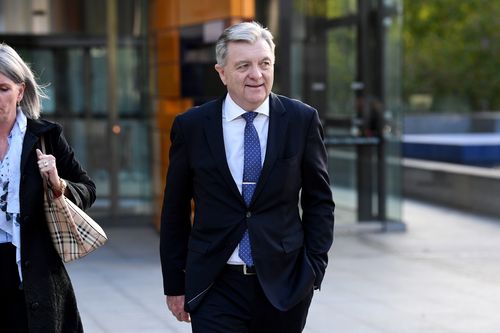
[343, 58]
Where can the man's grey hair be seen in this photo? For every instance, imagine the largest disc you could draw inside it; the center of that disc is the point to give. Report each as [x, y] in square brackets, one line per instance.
[249, 32]
[14, 68]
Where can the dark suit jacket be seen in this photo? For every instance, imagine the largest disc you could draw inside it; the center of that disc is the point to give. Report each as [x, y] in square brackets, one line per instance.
[289, 249]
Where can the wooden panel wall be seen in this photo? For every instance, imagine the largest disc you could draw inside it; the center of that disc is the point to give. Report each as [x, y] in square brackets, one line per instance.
[166, 19]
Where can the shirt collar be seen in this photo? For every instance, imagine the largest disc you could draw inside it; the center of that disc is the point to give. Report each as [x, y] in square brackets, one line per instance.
[233, 110]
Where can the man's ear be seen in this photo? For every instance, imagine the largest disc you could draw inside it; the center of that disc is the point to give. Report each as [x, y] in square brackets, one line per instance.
[220, 70]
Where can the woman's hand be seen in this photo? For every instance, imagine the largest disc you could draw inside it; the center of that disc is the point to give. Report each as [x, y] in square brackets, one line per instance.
[47, 166]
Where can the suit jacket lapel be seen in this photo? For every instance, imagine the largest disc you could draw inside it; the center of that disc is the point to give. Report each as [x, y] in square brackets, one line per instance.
[29, 141]
[278, 123]
[215, 139]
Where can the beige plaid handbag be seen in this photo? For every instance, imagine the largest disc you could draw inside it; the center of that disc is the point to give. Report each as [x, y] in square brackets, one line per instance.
[74, 233]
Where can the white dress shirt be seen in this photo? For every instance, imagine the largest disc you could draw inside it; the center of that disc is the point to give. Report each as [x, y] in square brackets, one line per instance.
[233, 128]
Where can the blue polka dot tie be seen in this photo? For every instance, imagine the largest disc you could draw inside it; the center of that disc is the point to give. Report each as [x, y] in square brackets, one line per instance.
[251, 172]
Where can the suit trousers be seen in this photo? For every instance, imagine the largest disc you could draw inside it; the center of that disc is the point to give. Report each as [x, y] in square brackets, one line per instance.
[13, 313]
[236, 303]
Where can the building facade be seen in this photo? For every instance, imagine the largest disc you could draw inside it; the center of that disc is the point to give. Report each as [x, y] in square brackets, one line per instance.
[119, 72]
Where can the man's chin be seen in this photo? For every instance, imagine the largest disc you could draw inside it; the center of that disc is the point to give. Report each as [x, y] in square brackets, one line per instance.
[258, 97]
[255, 103]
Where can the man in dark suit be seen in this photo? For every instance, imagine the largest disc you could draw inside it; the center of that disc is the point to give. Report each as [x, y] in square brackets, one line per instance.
[255, 166]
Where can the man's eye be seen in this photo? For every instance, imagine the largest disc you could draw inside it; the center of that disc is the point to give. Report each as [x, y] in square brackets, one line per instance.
[243, 66]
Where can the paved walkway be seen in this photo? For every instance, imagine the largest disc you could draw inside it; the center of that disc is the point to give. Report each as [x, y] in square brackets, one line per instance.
[441, 275]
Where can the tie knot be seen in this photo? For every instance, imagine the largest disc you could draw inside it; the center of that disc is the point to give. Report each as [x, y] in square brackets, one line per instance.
[249, 116]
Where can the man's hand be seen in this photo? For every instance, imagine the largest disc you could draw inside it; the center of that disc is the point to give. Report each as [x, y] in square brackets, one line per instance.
[176, 306]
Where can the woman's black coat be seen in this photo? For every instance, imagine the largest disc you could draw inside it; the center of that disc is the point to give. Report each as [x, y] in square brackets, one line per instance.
[50, 300]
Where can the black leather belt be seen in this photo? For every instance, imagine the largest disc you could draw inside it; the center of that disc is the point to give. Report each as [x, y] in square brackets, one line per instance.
[243, 269]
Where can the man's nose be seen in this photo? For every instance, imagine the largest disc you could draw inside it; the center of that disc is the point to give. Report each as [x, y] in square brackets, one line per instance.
[255, 72]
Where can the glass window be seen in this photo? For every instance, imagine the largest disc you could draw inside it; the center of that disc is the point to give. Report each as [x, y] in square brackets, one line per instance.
[42, 63]
[71, 59]
[99, 80]
[328, 71]
[128, 81]
[341, 70]
[339, 8]
[326, 8]
[75, 78]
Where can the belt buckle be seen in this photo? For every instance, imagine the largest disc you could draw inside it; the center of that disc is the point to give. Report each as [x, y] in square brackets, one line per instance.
[245, 272]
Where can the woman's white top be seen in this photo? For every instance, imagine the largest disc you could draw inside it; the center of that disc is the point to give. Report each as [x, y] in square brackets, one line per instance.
[10, 176]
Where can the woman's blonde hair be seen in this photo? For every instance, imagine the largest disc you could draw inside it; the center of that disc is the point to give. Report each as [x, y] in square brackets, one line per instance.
[14, 68]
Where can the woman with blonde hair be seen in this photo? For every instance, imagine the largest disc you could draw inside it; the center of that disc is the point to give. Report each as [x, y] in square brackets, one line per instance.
[36, 292]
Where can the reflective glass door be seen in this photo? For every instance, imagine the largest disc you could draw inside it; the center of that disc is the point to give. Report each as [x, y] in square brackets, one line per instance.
[340, 56]
[76, 84]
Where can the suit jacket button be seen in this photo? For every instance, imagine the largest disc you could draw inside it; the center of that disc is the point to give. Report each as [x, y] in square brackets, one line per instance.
[249, 215]
[34, 306]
